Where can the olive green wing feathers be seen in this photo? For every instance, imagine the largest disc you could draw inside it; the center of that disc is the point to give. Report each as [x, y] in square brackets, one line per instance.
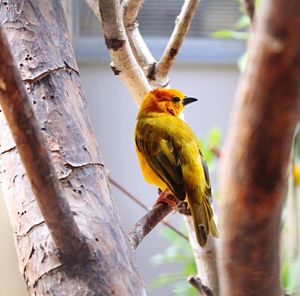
[162, 157]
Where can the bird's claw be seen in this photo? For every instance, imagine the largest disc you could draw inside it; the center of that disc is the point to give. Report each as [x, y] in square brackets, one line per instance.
[183, 208]
[168, 198]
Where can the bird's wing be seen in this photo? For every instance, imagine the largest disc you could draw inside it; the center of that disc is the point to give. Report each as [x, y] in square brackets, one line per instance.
[207, 179]
[162, 156]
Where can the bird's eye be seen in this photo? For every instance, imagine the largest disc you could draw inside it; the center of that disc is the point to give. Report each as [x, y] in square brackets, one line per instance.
[175, 100]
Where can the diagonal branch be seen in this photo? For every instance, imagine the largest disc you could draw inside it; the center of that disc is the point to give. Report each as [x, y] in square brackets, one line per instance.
[147, 223]
[182, 25]
[130, 10]
[35, 158]
[197, 284]
[120, 51]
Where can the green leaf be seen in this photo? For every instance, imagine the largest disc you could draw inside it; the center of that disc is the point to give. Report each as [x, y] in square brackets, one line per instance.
[230, 34]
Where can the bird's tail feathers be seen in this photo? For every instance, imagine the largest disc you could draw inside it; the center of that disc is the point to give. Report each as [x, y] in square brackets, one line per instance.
[202, 214]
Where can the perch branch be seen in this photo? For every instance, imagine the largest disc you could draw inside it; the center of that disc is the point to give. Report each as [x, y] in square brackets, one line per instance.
[130, 10]
[250, 8]
[120, 51]
[142, 205]
[35, 158]
[182, 25]
[256, 155]
[147, 223]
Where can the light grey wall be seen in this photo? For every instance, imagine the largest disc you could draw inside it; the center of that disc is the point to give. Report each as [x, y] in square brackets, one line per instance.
[113, 117]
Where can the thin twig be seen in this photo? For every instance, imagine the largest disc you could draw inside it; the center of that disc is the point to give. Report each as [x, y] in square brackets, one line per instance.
[35, 157]
[142, 205]
[122, 57]
[147, 223]
[181, 28]
[130, 10]
[250, 8]
[202, 289]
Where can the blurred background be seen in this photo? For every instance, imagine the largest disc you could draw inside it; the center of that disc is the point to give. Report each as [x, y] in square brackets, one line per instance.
[206, 68]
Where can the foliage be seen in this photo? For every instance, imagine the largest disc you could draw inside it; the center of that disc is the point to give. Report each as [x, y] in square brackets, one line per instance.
[180, 249]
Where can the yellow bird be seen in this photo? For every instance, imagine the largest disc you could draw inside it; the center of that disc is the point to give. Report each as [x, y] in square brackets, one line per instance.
[170, 156]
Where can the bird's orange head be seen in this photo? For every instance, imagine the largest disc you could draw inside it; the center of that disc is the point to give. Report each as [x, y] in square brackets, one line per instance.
[162, 100]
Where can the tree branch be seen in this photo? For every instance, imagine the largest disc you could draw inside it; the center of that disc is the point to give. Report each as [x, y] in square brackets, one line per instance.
[120, 51]
[130, 10]
[182, 25]
[147, 223]
[35, 158]
[202, 289]
[256, 156]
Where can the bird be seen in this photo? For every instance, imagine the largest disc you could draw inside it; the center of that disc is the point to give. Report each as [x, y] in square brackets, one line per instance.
[170, 157]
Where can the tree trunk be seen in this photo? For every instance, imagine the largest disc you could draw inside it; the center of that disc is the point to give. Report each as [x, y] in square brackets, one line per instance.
[39, 40]
[256, 155]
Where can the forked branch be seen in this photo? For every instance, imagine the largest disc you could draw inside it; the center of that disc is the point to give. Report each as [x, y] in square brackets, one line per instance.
[35, 158]
[130, 10]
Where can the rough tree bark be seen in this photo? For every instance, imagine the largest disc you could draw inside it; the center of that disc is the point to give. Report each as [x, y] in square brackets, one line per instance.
[256, 155]
[34, 153]
[38, 37]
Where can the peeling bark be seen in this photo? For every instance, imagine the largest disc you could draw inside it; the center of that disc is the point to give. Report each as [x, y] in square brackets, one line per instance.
[37, 34]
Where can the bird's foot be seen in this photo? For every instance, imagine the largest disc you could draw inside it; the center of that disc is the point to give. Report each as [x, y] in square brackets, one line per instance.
[183, 208]
[168, 198]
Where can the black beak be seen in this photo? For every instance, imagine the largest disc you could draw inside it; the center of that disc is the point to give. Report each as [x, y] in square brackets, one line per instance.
[188, 100]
